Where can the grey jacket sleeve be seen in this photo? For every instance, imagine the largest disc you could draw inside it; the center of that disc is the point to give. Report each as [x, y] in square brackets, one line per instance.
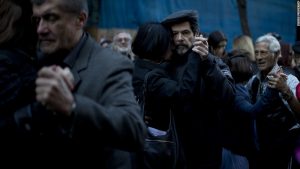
[109, 112]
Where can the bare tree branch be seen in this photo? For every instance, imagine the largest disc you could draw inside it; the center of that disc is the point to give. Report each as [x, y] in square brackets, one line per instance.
[242, 7]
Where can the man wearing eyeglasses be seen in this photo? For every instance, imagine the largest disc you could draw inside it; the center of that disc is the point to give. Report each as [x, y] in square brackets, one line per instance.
[122, 44]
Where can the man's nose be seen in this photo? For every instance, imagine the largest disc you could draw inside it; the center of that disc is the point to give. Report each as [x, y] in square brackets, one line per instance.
[258, 56]
[42, 27]
[179, 36]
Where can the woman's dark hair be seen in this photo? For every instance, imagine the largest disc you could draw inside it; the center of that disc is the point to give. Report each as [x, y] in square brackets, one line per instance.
[16, 29]
[151, 41]
[286, 56]
[215, 37]
[240, 65]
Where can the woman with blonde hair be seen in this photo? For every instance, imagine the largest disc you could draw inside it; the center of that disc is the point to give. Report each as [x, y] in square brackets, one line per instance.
[244, 42]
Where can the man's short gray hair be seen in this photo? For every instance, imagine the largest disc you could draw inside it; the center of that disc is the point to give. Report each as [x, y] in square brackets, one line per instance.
[272, 42]
[73, 6]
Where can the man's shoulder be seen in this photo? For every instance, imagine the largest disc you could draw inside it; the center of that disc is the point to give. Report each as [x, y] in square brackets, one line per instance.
[292, 81]
[292, 77]
[108, 55]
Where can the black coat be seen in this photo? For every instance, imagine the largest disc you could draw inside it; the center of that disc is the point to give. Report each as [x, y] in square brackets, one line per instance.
[141, 68]
[204, 91]
[17, 77]
[195, 90]
[17, 84]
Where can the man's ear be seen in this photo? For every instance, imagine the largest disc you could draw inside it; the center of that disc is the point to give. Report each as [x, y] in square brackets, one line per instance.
[81, 19]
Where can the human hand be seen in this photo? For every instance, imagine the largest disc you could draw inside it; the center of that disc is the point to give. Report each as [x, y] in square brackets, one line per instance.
[278, 81]
[53, 89]
[201, 47]
[66, 74]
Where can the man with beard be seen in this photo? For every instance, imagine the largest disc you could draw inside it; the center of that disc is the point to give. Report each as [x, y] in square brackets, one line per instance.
[122, 44]
[197, 108]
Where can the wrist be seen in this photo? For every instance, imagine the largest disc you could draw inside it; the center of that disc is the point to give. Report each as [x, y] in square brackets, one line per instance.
[287, 94]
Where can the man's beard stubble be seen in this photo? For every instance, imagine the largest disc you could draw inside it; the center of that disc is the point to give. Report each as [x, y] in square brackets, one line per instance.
[181, 49]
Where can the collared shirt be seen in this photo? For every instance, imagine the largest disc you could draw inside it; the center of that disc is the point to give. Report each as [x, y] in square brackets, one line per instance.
[292, 82]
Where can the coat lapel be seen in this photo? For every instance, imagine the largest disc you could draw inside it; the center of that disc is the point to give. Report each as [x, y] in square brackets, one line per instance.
[80, 62]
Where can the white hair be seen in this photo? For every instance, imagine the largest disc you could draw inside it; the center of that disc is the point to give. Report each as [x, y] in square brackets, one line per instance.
[272, 42]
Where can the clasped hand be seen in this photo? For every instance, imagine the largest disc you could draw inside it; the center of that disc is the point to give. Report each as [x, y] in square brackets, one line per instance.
[278, 81]
[54, 89]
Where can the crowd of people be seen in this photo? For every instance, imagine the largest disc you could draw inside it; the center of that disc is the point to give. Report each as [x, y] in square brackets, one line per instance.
[65, 93]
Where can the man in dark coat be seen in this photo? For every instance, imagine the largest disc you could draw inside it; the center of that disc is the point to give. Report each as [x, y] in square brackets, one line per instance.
[196, 110]
[88, 115]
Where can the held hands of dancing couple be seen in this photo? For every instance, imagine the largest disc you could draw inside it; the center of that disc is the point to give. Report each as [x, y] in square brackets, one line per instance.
[278, 80]
[54, 87]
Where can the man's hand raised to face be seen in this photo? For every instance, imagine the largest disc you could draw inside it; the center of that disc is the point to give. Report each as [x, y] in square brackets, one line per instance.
[201, 47]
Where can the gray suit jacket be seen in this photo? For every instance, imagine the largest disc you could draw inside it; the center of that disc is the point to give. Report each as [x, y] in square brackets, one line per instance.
[106, 109]
[105, 125]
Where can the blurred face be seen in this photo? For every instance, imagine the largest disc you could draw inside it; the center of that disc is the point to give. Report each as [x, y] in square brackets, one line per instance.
[57, 29]
[265, 59]
[183, 37]
[220, 49]
[292, 56]
[297, 59]
[122, 42]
